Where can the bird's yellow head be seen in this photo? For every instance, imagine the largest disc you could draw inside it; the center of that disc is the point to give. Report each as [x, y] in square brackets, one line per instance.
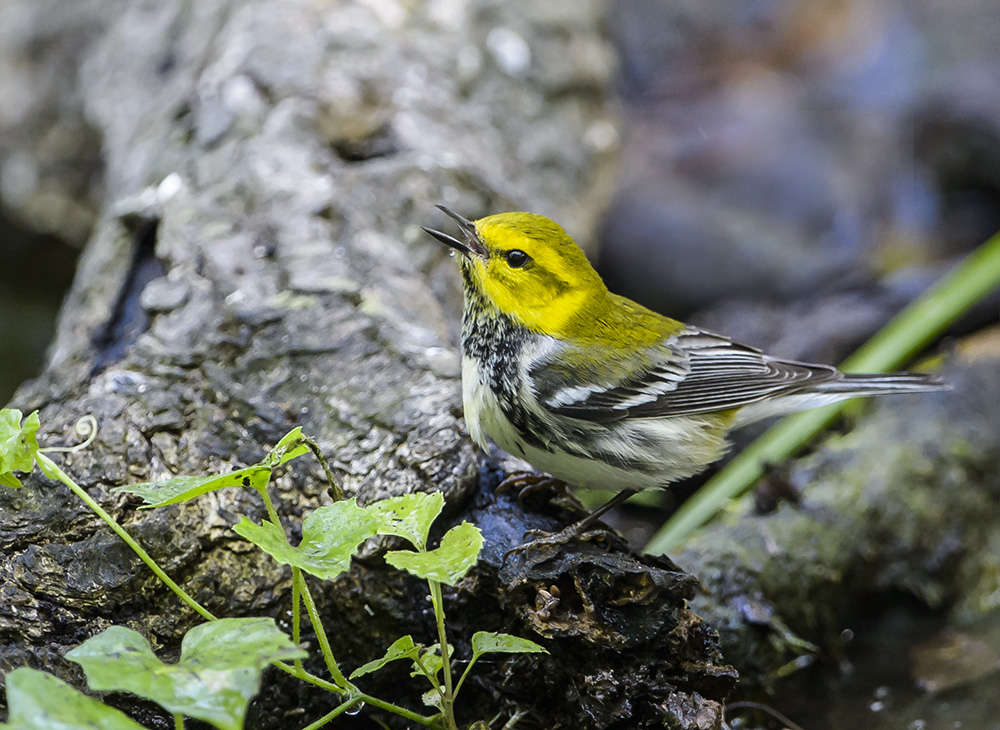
[527, 267]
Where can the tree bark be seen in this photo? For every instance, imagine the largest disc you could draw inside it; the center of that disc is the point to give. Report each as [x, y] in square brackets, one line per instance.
[257, 264]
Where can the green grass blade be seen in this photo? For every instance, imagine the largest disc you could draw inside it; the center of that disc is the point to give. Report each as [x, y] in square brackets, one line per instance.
[910, 331]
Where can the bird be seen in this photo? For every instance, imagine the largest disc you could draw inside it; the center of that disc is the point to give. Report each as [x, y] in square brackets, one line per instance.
[594, 389]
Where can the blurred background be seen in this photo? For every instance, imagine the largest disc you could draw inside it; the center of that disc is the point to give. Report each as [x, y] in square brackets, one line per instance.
[794, 174]
[791, 174]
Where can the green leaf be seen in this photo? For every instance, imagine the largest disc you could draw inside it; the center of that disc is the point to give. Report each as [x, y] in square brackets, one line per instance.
[431, 663]
[331, 536]
[39, 701]
[291, 446]
[408, 516]
[18, 445]
[402, 648]
[217, 675]
[183, 488]
[446, 564]
[488, 642]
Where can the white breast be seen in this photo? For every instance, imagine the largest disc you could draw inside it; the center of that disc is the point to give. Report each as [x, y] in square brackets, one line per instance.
[483, 416]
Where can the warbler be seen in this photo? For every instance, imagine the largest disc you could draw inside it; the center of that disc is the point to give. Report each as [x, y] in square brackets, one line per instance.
[598, 391]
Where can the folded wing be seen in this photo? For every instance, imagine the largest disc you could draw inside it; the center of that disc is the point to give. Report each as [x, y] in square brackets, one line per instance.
[688, 373]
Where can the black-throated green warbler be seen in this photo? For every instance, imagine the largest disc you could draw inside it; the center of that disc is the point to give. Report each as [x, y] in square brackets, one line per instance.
[597, 390]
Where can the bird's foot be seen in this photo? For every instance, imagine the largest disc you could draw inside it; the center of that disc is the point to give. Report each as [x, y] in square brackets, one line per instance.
[527, 483]
[551, 541]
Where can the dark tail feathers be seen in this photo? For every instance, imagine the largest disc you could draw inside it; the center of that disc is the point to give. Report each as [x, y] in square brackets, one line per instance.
[875, 384]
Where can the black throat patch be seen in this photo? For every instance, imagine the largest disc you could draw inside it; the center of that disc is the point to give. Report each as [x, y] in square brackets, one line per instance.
[496, 343]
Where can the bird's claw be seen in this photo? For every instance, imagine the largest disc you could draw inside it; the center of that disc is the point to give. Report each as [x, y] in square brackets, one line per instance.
[544, 539]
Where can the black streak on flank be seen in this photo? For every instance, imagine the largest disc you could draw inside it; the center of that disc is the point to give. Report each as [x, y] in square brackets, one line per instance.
[128, 320]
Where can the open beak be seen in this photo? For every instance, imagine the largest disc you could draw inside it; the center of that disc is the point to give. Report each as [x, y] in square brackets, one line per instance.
[472, 244]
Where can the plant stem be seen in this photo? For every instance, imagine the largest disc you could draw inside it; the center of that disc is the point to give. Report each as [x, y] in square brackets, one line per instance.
[272, 513]
[461, 680]
[297, 613]
[324, 643]
[430, 677]
[52, 470]
[86, 426]
[178, 721]
[447, 705]
[338, 710]
[335, 491]
[305, 676]
[396, 709]
[310, 678]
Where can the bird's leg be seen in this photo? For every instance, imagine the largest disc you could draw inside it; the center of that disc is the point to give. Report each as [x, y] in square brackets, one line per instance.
[619, 499]
[578, 530]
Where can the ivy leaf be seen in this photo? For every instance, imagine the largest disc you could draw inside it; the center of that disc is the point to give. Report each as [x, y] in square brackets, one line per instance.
[446, 564]
[217, 675]
[408, 516]
[38, 701]
[402, 648]
[331, 536]
[291, 446]
[183, 488]
[489, 642]
[430, 664]
[18, 445]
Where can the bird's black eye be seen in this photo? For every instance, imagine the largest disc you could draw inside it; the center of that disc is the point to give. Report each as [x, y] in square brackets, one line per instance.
[516, 258]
